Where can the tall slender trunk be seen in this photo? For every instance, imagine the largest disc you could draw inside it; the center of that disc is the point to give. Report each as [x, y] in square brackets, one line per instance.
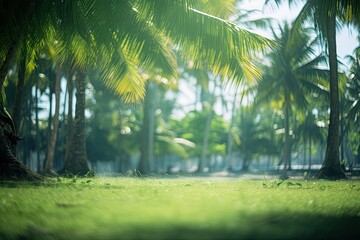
[70, 122]
[331, 166]
[287, 151]
[55, 123]
[6, 119]
[310, 151]
[16, 111]
[342, 131]
[49, 120]
[27, 124]
[62, 130]
[204, 149]
[146, 164]
[10, 167]
[229, 136]
[203, 162]
[37, 128]
[77, 163]
[305, 147]
[246, 163]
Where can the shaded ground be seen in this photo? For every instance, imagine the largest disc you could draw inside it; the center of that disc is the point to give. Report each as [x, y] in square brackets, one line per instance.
[201, 206]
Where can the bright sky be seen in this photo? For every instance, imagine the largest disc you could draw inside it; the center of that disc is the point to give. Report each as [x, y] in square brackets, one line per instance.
[346, 43]
[346, 38]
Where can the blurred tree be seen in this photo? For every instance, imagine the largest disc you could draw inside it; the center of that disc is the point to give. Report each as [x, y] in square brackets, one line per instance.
[77, 164]
[131, 35]
[352, 96]
[310, 132]
[193, 127]
[112, 128]
[325, 16]
[70, 75]
[53, 50]
[293, 72]
[249, 135]
[146, 164]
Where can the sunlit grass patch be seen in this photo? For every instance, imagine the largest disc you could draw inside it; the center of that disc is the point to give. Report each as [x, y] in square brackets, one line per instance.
[143, 208]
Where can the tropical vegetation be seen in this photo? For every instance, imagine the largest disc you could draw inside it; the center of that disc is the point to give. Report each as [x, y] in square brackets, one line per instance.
[147, 87]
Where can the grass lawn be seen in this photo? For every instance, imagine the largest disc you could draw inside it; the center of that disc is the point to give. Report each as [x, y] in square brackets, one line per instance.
[184, 208]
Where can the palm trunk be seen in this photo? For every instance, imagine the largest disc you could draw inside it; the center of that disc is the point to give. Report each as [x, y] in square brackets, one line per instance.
[27, 124]
[287, 152]
[10, 167]
[49, 120]
[331, 166]
[70, 122]
[146, 164]
[246, 162]
[77, 163]
[229, 137]
[310, 150]
[37, 129]
[204, 149]
[202, 162]
[16, 112]
[55, 124]
[9, 59]
[305, 147]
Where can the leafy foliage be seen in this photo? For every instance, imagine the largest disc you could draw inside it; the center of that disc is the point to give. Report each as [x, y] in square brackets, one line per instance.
[192, 128]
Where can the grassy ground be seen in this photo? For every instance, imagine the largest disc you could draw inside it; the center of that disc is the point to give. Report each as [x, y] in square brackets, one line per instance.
[184, 208]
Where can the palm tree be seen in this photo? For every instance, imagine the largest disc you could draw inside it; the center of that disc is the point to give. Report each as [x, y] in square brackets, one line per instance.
[133, 35]
[146, 164]
[54, 47]
[325, 15]
[352, 96]
[292, 73]
[311, 133]
[251, 136]
[55, 123]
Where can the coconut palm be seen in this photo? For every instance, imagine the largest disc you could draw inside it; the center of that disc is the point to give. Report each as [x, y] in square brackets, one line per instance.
[250, 135]
[352, 96]
[311, 133]
[325, 15]
[134, 37]
[293, 72]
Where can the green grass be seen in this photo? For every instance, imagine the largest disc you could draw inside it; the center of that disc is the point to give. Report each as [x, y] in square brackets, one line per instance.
[184, 208]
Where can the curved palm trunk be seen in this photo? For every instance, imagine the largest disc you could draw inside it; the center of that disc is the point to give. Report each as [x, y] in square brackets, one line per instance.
[9, 58]
[146, 164]
[77, 163]
[10, 167]
[55, 124]
[331, 167]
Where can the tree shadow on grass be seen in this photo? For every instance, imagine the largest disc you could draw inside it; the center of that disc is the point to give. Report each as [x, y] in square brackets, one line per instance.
[299, 226]
[262, 226]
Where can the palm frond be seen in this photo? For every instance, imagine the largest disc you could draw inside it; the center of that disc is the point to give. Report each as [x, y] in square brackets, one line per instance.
[202, 36]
